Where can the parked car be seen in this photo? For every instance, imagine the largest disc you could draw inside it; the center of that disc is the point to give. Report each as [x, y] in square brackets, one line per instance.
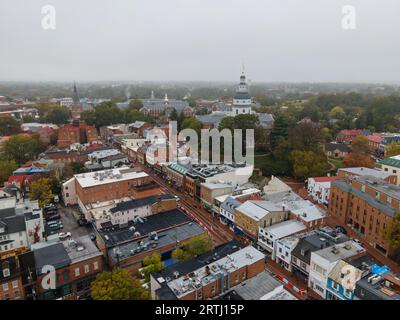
[357, 241]
[341, 229]
[64, 235]
[54, 217]
[92, 237]
[55, 227]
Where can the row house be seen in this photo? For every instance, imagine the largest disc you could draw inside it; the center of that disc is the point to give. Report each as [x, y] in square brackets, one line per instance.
[228, 266]
[77, 262]
[319, 187]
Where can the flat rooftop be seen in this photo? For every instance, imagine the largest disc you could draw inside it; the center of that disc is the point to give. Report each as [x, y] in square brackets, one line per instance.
[102, 177]
[340, 251]
[285, 228]
[80, 249]
[261, 287]
[215, 270]
[115, 235]
[174, 235]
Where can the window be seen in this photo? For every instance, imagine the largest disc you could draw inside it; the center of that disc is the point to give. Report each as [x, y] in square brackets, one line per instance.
[347, 293]
[16, 294]
[15, 284]
[86, 268]
[5, 286]
[95, 265]
[335, 286]
[77, 272]
[319, 269]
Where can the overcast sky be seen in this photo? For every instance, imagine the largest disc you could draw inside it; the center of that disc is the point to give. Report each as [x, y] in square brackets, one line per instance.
[180, 40]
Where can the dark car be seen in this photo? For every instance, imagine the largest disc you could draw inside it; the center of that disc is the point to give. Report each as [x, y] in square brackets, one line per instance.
[82, 222]
[53, 217]
[341, 229]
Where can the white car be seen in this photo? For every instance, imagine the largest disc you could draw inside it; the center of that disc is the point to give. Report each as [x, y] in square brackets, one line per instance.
[64, 235]
[357, 241]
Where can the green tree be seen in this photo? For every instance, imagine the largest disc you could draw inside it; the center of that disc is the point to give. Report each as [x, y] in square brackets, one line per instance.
[108, 113]
[193, 248]
[7, 167]
[173, 115]
[337, 113]
[41, 190]
[360, 145]
[192, 123]
[305, 137]
[392, 232]
[22, 148]
[227, 123]
[280, 130]
[135, 104]
[327, 134]
[58, 115]
[118, 285]
[9, 126]
[89, 116]
[152, 264]
[308, 164]
[392, 149]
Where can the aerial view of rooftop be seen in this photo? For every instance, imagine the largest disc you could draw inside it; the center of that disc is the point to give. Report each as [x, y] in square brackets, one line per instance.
[224, 152]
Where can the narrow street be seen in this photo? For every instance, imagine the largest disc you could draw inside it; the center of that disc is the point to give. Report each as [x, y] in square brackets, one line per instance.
[218, 232]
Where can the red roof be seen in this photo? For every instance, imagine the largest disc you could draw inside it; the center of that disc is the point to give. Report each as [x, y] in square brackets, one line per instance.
[376, 137]
[20, 179]
[325, 179]
[350, 132]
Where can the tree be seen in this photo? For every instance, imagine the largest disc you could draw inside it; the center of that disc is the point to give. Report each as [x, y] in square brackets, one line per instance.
[337, 113]
[360, 145]
[173, 115]
[354, 159]
[7, 167]
[135, 104]
[89, 116]
[192, 123]
[152, 264]
[392, 232]
[9, 126]
[305, 137]
[108, 113]
[227, 123]
[193, 248]
[308, 164]
[41, 190]
[118, 285]
[22, 148]
[58, 115]
[280, 129]
[327, 134]
[358, 157]
[392, 149]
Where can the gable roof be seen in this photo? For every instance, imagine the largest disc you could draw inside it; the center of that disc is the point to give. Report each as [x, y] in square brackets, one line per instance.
[337, 146]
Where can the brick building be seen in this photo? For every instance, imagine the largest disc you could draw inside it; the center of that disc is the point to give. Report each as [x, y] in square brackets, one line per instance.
[366, 204]
[77, 132]
[107, 185]
[209, 275]
[127, 245]
[77, 263]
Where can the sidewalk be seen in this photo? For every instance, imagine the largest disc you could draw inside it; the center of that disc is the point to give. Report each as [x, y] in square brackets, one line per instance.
[294, 285]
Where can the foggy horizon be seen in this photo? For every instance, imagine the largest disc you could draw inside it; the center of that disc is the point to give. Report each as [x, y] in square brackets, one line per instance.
[199, 41]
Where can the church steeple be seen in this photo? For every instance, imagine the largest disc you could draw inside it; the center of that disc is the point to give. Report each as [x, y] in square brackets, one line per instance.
[75, 96]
